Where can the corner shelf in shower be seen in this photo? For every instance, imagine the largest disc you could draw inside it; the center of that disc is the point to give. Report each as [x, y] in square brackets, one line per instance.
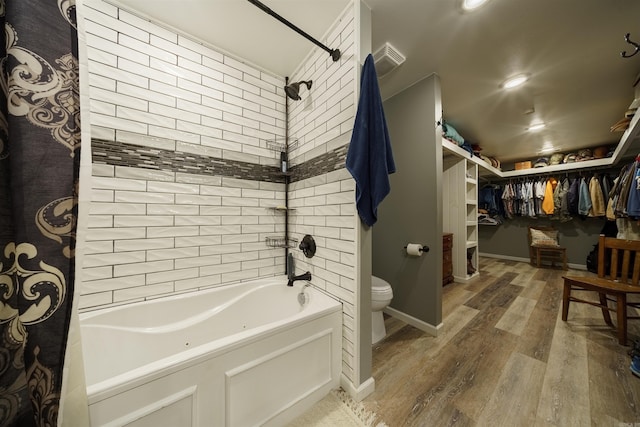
[280, 144]
[281, 242]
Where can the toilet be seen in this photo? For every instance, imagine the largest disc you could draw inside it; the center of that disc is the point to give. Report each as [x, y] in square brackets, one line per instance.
[381, 295]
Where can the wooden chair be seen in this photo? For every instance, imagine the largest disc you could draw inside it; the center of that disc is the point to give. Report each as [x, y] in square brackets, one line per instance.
[614, 285]
[548, 250]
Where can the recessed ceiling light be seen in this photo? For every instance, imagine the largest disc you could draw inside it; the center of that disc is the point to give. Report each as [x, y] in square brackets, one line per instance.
[514, 81]
[472, 4]
[536, 126]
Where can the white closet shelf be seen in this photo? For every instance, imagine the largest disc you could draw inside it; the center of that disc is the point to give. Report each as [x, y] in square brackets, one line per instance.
[625, 143]
[451, 148]
[471, 244]
[566, 167]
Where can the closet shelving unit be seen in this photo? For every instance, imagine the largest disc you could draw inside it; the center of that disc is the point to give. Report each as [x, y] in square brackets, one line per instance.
[461, 173]
[460, 201]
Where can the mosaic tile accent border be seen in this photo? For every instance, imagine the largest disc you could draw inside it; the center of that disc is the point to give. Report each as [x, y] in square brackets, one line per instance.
[123, 154]
[328, 162]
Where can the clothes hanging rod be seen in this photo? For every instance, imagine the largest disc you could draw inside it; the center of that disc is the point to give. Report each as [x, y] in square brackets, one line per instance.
[609, 169]
[335, 53]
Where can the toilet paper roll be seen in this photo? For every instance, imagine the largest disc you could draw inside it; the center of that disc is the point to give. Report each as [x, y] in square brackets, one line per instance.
[414, 249]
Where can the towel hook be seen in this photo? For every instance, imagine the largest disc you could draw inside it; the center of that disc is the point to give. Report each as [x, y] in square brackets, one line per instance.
[632, 43]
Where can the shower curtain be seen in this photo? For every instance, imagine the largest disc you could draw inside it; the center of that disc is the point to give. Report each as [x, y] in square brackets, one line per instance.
[39, 168]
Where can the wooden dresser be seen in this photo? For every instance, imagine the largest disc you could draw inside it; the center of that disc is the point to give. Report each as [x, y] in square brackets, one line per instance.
[447, 264]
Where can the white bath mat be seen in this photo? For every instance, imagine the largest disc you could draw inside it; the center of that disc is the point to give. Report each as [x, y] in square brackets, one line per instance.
[337, 409]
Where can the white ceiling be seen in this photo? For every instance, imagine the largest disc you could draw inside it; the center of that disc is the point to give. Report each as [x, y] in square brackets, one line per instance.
[579, 84]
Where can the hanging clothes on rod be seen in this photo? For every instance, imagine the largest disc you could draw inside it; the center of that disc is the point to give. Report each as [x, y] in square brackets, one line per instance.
[558, 198]
[490, 206]
[598, 204]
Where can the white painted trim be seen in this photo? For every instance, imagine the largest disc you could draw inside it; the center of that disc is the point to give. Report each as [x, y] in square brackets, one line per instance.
[157, 406]
[520, 259]
[465, 279]
[360, 392]
[311, 388]
[499, 256]
[423, 326]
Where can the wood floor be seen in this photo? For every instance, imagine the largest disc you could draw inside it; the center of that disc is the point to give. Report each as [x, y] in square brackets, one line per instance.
[504, 357]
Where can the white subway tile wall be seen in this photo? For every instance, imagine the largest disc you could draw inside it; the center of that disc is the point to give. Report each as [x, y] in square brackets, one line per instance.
[155, 229]
[332, 224]
[157, 232]
[323, 192]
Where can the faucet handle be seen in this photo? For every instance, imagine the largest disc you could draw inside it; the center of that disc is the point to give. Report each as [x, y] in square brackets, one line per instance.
[308, 246]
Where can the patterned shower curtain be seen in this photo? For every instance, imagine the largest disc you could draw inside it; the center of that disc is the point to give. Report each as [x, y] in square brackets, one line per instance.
[39, 166]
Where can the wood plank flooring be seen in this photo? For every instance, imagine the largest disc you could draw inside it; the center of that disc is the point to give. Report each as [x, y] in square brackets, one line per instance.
[504, 357]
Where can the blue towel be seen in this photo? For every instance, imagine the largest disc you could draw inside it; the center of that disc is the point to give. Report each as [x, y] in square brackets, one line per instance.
[369, 159]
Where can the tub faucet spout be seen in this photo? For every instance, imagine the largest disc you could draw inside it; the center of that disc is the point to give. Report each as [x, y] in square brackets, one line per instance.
[305, 276]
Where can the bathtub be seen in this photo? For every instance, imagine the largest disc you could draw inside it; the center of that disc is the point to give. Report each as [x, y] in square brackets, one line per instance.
[237, 355]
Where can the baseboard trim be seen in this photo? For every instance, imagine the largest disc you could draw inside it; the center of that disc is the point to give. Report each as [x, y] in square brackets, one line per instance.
[360, 392]
[465, 279]
[520, 259]
[500, 256]
[420, 324]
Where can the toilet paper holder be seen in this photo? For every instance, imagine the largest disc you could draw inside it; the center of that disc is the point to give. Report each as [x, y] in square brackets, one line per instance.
[424, 248]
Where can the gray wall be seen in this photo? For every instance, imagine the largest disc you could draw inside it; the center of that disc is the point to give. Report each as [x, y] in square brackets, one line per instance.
[510, 238]
[412, 213]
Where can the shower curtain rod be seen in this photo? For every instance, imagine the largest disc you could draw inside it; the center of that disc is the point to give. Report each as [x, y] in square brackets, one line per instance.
[335, 53]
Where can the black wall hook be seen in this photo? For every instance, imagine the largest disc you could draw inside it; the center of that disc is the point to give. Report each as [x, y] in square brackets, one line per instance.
[635, 45]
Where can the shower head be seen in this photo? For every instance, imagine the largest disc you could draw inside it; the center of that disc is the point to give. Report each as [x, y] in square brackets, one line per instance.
[293, 89]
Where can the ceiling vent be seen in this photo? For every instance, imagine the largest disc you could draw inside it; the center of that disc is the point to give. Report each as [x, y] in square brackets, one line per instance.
[386, 59]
